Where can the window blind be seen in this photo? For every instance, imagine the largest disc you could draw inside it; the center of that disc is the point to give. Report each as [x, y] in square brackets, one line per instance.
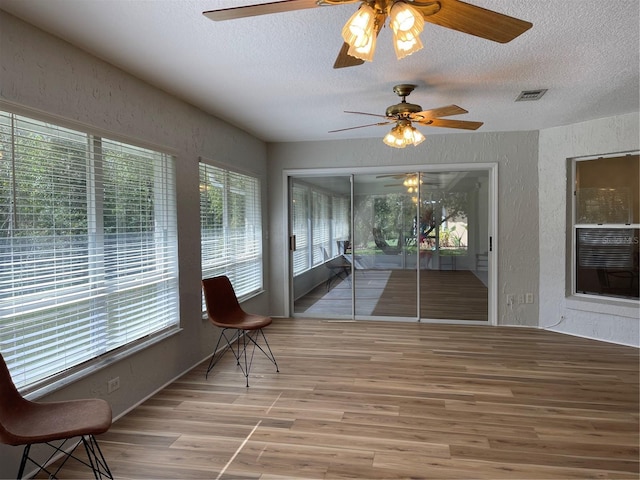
[231, 228]
[319, 220]
[88, 247]
[321, 226]
[301, 230]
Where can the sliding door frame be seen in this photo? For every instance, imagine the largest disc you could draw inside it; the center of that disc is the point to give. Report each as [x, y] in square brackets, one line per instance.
[492, 227]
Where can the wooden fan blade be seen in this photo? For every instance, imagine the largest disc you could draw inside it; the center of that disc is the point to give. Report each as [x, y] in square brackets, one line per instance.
[260, 9]
[345, 60]
[437, 112]
[477, 21]
[370, 114]
[360, 126]
[442, 122]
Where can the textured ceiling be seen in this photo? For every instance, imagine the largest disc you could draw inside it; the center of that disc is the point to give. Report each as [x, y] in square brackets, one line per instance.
[272, 75]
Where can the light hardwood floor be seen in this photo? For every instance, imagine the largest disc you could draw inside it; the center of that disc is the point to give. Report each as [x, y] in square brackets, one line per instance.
[448, 294]
[375, 400]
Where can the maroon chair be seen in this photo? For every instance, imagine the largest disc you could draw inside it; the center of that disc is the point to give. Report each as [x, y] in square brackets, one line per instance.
[23, 422]
[225, 312]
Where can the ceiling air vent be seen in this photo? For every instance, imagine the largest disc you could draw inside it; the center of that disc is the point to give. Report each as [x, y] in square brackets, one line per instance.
[531, 95]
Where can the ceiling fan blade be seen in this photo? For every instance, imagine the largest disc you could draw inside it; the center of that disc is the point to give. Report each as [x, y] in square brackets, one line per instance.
[438, 112]
[442, 122]
[259, 9]
[370, 114]
[345, 60]
[360, 126]
[477, 21]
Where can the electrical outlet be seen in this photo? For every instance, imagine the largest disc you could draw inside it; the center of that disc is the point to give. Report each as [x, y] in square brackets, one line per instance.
[520, 298]
[113, 384]
[529, 298]
[511, 298]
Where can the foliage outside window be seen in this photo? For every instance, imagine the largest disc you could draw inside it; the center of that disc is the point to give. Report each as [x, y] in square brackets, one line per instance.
[320, 219]
[606, 226]
[231, 228]
[88, 247]
[391, 219]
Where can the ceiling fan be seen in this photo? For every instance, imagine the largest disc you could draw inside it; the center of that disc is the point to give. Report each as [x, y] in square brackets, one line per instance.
[404, 113]
[407, 19]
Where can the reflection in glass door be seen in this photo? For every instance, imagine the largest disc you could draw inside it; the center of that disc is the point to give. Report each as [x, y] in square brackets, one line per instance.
[453, 243]
[320, 226]
[384, 244]
[409, 246]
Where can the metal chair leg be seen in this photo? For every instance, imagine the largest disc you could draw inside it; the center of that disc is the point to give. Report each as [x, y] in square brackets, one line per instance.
[242, 340]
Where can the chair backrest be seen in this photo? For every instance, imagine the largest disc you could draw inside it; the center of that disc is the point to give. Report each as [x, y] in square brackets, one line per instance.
[220, 298]
[10, 402]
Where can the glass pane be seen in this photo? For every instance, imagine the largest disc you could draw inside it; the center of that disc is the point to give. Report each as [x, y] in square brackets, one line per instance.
[320, 221]
[454, 245]
[607, 261]
[385, 248]
[607, 190]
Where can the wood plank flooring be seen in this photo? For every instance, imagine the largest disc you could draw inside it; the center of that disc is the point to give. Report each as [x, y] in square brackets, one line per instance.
[444, 294]
[376, 400]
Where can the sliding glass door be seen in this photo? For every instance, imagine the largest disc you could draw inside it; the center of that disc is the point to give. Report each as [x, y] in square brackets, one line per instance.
[320, 226]
[411, 245]
[384, 243]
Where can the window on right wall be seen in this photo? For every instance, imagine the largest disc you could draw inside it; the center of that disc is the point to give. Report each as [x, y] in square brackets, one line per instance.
[606, 225]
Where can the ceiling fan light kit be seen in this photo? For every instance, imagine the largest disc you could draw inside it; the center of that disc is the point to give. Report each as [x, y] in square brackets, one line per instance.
[403, 134]
[361, 30]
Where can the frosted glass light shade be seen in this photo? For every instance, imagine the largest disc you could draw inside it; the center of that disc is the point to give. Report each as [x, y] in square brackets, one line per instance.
[402, 135]
[406, 23]
[359, 29]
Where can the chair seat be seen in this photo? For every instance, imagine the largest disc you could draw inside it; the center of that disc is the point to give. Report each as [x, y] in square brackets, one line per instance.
[242, 321]
[45, 422]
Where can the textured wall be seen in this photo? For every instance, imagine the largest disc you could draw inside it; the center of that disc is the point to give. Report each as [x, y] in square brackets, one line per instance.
[516, 155]
[43, 73]
[604, 320]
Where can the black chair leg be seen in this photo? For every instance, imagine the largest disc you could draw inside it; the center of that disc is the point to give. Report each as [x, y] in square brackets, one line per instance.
[96, 460]
[23, 462]
[243, 339]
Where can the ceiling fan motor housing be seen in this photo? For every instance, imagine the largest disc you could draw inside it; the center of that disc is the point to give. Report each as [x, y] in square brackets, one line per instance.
[403, 109]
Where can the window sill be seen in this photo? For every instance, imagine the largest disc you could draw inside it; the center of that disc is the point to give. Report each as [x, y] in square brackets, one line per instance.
[90, 367]
[607, 306]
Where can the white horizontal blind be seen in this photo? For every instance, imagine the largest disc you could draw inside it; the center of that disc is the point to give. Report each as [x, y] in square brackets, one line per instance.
[340, 217]
[301, 230]
[231, 228]
[321, 226]
[319, 219]
[88, 247]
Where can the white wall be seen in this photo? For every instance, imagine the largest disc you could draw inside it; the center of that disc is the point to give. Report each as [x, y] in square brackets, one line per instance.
[516, 154]
[603, 320]
[41, 72]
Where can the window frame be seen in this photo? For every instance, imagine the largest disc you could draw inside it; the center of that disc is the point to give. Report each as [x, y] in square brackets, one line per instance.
[575, 227]
[257, 285]
[93, 216]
